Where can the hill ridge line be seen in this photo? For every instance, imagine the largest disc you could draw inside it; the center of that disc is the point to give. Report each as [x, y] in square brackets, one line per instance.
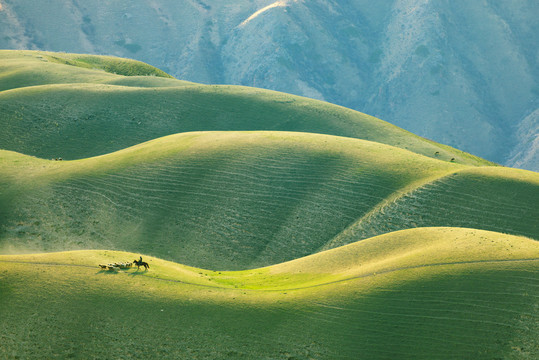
[90, 84]
[374, 273]
[489, 261]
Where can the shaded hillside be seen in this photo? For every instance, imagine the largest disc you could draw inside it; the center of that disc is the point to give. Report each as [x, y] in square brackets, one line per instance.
[458, 72]
[416, 294]
[79, 112]
[462, 199]
[232, 200]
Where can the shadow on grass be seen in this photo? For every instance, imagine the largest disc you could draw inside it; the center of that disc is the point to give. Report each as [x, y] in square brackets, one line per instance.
[137, 272]
[107, 272]
[124, 271]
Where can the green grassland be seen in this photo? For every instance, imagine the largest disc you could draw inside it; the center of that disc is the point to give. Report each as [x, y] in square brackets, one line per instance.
[235, 200]
[49, 109]
[275, 226]
[34, 68]
[421, 293]
[490, 198]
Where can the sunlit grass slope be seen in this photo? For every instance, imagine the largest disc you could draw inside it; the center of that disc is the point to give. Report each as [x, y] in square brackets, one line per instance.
[31, 68]
[415, 294]
[235, 200]
[80, 110]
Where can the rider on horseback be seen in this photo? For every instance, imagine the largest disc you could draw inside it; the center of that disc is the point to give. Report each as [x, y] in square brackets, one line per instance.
[140, 263]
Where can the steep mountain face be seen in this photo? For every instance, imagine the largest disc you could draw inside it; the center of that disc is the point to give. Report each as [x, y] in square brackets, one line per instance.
[526, 153]
[459, 72]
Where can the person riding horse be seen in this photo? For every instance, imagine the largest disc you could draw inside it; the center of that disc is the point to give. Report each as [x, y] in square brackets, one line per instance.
[140, 263]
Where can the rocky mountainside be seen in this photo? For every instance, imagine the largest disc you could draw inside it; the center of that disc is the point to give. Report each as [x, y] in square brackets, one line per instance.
[464, 73]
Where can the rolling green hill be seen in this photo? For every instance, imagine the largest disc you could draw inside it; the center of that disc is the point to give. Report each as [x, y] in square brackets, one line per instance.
[32, 68]
[422, 293]
[50, 110]
[276, 227]
[234, 200]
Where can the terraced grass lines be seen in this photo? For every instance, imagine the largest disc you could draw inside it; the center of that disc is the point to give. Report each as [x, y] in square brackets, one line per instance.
[241, 200]
[496, 199]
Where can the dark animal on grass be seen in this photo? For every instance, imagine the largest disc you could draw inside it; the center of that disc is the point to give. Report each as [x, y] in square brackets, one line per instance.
[141, 263]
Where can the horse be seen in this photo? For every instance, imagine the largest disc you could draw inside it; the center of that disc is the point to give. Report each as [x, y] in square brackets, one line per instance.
[141, 263]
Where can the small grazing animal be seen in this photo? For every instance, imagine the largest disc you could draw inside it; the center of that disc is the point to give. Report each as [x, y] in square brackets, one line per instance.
[118, 266]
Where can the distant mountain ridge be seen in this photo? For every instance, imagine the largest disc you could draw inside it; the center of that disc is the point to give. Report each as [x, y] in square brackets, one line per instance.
[458, 72]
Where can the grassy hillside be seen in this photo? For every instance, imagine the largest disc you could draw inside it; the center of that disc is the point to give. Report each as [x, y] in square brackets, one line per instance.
[109, 64]
[253, 237]
[234, 200]
[32, 68]
[78, 112]
[499, 199]
[422, 293]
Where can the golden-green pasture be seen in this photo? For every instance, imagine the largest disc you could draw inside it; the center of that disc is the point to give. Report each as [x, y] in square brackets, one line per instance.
[422, 293]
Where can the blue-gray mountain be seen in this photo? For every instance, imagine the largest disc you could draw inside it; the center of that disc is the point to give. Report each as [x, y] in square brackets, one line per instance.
[460, 72]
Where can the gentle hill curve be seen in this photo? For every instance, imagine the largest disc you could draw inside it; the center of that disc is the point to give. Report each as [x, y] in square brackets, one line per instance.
[77, 112]
[23, 68]
[421, 293]
[227, 200]
[109, 64]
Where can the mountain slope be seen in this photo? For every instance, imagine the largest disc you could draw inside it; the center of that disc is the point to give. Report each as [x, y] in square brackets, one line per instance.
[461, 73]
[232, 200]
[526, 153]
[422, 293]
[80, 112]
